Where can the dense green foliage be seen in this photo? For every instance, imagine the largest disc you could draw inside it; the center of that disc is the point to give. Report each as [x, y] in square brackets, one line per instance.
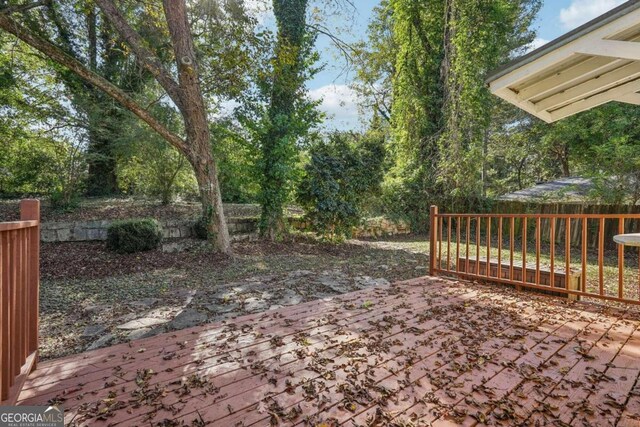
[420, 74]
[287, 113]
[134, 235]
[343, 172]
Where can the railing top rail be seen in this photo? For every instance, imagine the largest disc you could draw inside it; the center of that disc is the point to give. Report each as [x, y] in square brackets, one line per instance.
[16, 225]
[543, 216]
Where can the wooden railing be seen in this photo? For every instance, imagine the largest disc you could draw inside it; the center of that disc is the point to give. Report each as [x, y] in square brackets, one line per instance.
[513, 249]
[19, 289]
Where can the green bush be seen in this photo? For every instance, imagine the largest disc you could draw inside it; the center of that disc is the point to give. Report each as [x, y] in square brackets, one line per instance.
[62, 201]
[134, 235]
[343, 173]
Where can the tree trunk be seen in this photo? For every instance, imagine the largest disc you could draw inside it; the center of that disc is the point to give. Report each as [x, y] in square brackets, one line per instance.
[278, 145]
[206, 171]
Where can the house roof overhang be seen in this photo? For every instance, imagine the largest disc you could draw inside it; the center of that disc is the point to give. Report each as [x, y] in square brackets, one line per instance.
[596, 63]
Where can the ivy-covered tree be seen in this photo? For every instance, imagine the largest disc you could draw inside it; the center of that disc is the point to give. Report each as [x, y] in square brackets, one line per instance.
[284, 121]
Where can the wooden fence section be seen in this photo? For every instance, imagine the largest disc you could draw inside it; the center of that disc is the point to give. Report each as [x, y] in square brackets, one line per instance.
[537, 251]
[19, 289]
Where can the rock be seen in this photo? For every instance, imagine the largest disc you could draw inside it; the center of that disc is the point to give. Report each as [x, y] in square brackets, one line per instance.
[299, 273]
[92, 331]
[187, 318]
[145, 322]
[145, 303]
[136, 334]
[366, 282]
[222, 308]
[333, 284]
[101, 342]
[253, 304]
[290, 298]
[96, 308]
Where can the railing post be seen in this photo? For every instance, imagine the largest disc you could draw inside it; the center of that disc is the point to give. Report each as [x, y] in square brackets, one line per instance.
[30, 211]
[433, 237]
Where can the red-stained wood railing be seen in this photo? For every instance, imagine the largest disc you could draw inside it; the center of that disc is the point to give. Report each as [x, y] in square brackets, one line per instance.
[19, 294]
[455, 234]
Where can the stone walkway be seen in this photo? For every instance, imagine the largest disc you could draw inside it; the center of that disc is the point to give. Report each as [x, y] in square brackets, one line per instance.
[151, 316]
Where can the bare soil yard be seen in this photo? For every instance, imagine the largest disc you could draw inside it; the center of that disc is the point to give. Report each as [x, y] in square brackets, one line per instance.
[92, 298]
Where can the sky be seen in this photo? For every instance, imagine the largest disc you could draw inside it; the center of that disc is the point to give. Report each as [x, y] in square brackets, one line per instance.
[332, 84]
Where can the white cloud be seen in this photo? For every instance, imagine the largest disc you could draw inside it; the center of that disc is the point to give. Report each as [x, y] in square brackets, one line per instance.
[339, 102]
[536, 43]
[581, 11]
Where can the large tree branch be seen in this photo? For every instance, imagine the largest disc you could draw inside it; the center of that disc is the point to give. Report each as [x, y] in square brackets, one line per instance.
[148, 59]
[194, 113]
[59, 56]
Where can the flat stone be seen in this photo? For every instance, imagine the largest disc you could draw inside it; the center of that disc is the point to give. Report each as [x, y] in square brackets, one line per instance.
[101, 342]
[366, 282]
[290, 298]
[222, 308]
[333, 284]
[136, 334]
[300, 273]
[145, 322]
[187, 318]
[145, 303]
[96, 308]
[253, 304]
[92, 330]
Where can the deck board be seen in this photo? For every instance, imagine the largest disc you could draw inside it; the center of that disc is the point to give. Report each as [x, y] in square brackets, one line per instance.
[427, 351]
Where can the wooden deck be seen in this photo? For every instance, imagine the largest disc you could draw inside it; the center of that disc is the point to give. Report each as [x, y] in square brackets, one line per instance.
[424, 352]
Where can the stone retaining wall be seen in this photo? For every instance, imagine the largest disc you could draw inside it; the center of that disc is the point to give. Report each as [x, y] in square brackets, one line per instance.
[79, 231]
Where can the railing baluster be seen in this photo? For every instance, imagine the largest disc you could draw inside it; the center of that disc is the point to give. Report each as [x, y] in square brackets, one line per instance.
[567, 252]
[458, 221]
[524, 250]
[511, 246]
[538, 248]
[620, 261]
[552, 251]
[583, 283]
[488, 247]
[601, 257]
[15, 318]
[468, 238]
[500, 247]
[477, 246]
[449, 244]
[440, 226]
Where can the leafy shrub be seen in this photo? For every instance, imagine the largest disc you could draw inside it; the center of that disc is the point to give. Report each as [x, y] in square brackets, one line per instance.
[344, 171]
[134, 235]
[64, 201]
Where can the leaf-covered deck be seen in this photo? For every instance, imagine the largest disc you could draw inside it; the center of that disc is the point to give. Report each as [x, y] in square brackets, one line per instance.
[424, 352]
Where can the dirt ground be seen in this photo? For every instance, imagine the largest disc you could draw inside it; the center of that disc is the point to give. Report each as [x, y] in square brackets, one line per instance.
[92, 298]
